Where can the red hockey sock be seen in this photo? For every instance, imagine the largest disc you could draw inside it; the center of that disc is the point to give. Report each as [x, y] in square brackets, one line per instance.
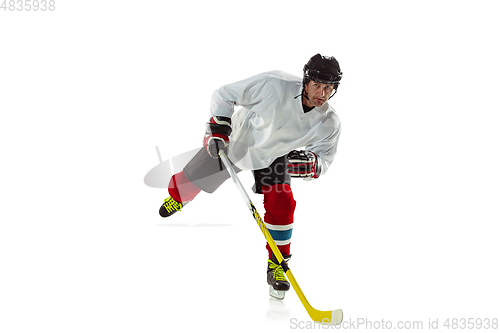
[181, 189]
[280, 206]
[284, 249]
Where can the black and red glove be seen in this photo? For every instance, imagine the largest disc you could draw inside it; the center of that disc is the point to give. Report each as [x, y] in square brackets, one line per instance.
[217, 133]
[302, 164]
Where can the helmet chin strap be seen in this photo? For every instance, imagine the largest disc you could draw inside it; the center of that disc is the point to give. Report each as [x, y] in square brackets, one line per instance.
[305, 81]
[334, 92]
[304, 94]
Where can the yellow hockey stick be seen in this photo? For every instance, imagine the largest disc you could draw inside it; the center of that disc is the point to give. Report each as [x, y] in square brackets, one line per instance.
[325, 317]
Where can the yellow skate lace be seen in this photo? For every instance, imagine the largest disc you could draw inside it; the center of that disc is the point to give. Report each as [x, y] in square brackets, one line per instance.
[171, 205]
[279, 275]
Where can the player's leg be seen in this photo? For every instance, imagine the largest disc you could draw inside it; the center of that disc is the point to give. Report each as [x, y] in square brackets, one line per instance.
[274, 183]
[202, 173]
[181, 191]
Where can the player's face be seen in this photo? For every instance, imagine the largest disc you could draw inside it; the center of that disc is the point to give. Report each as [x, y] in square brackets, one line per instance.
[317, 93]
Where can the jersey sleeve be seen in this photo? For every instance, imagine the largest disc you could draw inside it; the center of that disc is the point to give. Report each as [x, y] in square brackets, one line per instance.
[245, 93]
[324, 146]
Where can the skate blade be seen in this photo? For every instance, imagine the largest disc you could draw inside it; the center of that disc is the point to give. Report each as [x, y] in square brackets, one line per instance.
[278, 294]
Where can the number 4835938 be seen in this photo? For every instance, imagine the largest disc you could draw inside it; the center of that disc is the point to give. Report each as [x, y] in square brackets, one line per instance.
[28, 5]
[471, 323]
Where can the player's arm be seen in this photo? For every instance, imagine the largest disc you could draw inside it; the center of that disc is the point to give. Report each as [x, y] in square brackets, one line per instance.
[317, 156]
[217, 132]
[218, 129]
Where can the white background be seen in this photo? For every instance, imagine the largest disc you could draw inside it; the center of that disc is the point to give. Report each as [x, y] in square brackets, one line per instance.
[403, 226]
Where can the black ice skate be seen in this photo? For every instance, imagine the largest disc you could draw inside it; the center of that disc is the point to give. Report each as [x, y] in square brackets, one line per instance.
[170, 206]
[278, 284]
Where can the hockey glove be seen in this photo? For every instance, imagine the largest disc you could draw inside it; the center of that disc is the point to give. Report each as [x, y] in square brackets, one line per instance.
[302, 164]
[217, 133]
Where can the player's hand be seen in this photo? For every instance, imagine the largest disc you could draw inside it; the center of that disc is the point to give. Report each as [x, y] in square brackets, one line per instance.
[217, 133]
[302, 164]
[214, 144]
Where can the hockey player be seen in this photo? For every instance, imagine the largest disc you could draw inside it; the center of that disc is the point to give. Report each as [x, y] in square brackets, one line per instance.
[280, 114]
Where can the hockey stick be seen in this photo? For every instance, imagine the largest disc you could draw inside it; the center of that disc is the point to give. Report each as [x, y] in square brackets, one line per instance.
[325, 317]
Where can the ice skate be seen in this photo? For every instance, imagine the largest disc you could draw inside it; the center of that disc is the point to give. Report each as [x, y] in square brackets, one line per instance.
[170, 207]
[278, 285]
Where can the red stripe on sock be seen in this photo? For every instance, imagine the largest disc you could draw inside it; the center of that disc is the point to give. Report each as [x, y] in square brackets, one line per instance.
[284, 249]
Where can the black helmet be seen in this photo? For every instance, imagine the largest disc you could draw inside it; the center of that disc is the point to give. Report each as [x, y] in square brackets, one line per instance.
[322, 69]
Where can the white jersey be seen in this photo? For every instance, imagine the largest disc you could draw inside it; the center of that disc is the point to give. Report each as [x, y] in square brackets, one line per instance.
[272, 121]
